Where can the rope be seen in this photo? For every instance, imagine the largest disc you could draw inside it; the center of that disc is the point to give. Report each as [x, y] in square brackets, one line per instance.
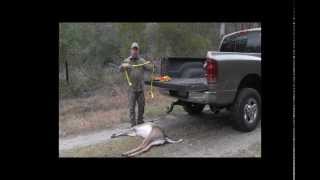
[138, 65]
[127, 76]
[151, 87]
[152, 76]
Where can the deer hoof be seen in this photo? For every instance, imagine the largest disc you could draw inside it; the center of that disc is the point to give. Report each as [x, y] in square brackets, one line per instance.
[124, 155]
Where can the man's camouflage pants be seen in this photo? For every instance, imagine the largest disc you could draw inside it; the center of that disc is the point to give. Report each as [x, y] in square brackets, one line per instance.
[136, 97]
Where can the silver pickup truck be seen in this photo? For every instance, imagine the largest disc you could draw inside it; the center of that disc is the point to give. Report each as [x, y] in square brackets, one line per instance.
[229, 78]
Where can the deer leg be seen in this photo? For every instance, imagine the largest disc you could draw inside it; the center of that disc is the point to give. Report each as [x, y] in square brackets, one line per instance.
[132, 151]
[122, 133]
[119, 134]
[142, 145]
[146, 148]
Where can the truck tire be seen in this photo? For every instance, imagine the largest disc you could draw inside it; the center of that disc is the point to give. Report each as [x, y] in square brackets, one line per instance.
[193, 108]
[246, 110]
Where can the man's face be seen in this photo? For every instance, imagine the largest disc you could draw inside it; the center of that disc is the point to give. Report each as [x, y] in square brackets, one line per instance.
[134, 52]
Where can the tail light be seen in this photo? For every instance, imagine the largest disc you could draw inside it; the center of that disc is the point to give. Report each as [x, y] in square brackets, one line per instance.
[211, 68]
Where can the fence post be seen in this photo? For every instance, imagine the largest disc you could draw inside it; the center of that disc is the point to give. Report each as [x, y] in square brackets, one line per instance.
[67, 72]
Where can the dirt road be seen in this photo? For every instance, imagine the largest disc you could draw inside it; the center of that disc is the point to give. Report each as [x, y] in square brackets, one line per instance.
[205, 135]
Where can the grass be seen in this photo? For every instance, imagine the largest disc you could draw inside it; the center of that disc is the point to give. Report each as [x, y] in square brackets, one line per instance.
[154, 110]
[104, 108]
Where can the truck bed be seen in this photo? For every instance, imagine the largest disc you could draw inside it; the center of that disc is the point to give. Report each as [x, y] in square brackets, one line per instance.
[182, 84]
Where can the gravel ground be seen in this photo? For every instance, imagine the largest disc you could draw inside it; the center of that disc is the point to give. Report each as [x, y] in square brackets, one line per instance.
[205, 135]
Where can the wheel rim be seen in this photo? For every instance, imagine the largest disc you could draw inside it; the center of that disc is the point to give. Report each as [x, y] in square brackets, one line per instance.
[250, 112]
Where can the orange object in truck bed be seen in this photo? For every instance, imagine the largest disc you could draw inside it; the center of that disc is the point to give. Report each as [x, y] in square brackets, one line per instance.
[162, 78]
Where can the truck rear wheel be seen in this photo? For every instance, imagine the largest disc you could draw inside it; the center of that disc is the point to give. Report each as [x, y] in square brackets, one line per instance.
[193, 108]
[246, 110]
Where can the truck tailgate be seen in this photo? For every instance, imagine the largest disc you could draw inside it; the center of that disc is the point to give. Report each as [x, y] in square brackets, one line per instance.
[182, 84]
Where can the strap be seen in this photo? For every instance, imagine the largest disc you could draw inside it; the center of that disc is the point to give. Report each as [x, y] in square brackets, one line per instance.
[152, 76]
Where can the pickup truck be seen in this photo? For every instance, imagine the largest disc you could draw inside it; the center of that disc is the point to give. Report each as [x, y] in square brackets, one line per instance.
[229, 78]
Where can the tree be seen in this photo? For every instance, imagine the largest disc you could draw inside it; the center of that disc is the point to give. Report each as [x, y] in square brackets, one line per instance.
[128, 33]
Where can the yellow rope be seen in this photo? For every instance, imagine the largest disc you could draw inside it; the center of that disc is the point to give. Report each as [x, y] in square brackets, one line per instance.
[151, 88]
[127, 76]
[138, 65]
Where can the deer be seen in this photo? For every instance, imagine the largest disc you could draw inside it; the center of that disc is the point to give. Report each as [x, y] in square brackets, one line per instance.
[153, 135]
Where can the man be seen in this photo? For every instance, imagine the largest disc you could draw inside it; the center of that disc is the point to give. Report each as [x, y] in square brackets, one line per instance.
[136, 90]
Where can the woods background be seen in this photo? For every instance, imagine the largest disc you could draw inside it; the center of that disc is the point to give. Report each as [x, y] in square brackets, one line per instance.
[90, 51]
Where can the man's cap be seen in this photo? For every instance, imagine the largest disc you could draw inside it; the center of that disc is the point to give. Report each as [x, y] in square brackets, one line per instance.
[134, 45]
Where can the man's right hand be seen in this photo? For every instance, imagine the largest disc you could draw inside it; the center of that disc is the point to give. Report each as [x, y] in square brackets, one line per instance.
[126, 65]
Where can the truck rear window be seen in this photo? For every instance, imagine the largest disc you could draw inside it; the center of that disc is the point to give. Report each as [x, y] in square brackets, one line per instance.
[248, 42]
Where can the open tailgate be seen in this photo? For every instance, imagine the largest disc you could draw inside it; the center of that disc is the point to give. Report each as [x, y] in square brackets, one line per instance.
[182, 84]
